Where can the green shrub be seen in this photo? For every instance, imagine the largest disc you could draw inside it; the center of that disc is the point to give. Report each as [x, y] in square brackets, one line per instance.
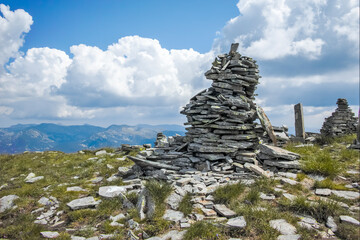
[228, 193]
[185, 205]
[203, 230]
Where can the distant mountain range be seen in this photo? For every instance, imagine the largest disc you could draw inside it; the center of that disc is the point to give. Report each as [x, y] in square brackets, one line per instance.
[46, 136]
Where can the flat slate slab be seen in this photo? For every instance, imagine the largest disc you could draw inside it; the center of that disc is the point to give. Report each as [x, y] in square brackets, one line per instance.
[49, 234]
[349, 219]
[283, 227]
[278, 152]
[346, 194]
[238, 222]
[172, 215]
[323, 191]
[86, 202]
[7, 202]
[112, 191]
[222, 210]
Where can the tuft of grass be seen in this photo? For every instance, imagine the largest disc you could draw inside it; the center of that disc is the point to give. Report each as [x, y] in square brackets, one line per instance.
[300, 176]
[226, 194]
[158, 190]
[132, 197]
[157, 226]
[265, 185]
[204, 230]
[253, 196]
[320, 210]
[328, 183]
[185, 205]
[321, 163]
[347, 231]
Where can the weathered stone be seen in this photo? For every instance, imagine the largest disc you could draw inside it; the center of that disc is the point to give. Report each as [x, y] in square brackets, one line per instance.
[289, 181]
[330, 223]
[101, 153]
[257, 170]
[222, 210]
[264, 196]
[346, 194]
[238, 222]
[299, 121]
[50, 234]
[289, 237]
[348, 219]
[278, 152]
[7, 202]
[172, 215]
[86, 202]
[283, 227]
[208, 212]
[323, 191]
[283, 164]
[112, 191]
[174, 200]
[76, 189]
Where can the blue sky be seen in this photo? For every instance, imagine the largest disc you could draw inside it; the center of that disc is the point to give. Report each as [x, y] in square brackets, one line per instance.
[130, 62]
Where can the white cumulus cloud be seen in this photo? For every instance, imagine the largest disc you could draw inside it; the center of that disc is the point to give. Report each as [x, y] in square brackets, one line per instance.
[13, 25]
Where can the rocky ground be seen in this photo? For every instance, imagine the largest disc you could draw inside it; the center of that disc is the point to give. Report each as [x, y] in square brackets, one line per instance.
[98, 195]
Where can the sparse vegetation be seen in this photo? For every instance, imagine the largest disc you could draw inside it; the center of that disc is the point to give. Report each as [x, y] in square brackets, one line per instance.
[253, 196]
[204, 230]
[328, 183]
[185, 205]
[228, 193]
[159, 191]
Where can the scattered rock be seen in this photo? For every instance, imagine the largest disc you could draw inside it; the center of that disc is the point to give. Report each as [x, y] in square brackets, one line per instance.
[174, 200]
[31, 178]
[238, 222]
[346, 194]
[323, 191]
[283, 227]
[349, 219]
[76, 189]
[330, 223]
[49, 234]
[7, 202]
[289, 237]
[172, 215]
[86, 202]
[112, 191]
[222, 210]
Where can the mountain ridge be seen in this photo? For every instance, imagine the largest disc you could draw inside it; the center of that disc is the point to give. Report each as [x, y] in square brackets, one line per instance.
[71, 138]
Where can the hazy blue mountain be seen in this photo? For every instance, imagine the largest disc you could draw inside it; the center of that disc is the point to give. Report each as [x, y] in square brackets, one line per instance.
[46, 136]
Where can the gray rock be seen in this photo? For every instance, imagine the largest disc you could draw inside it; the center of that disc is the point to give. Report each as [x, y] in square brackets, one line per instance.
[76, 189]
[117, 217]
[257, 169]
[238, 222]
[174, 235]
[283, 227]
[287, 175]
[77, 238]
[41, 221]
[330, 223]
[48, 202]
[174, 200]
[323, 191]
[289, 237]
[100, 153]
[264, 196]
[125, 171]
[185, 225]
[7, 202]
[96, 180]
[222, 210]
[34, 179]
[278, 152]
[289, 181]
[49, 234]
[86, 202]
[349, 219]
[112, 191]
[346, 194]
[172, 215]
[283, 164]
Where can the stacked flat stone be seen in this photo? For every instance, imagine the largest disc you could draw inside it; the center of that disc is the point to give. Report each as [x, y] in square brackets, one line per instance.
[221, 118]
[341, 122]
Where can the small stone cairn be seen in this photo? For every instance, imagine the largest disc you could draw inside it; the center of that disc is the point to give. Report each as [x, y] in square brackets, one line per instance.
[341, 122]
[221, 118]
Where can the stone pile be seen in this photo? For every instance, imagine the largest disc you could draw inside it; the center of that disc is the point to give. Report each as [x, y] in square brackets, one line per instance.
[221, 118]
[341, 122]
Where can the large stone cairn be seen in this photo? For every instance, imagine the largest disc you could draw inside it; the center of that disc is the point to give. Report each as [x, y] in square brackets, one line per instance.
[341, 122]
[221, 118]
